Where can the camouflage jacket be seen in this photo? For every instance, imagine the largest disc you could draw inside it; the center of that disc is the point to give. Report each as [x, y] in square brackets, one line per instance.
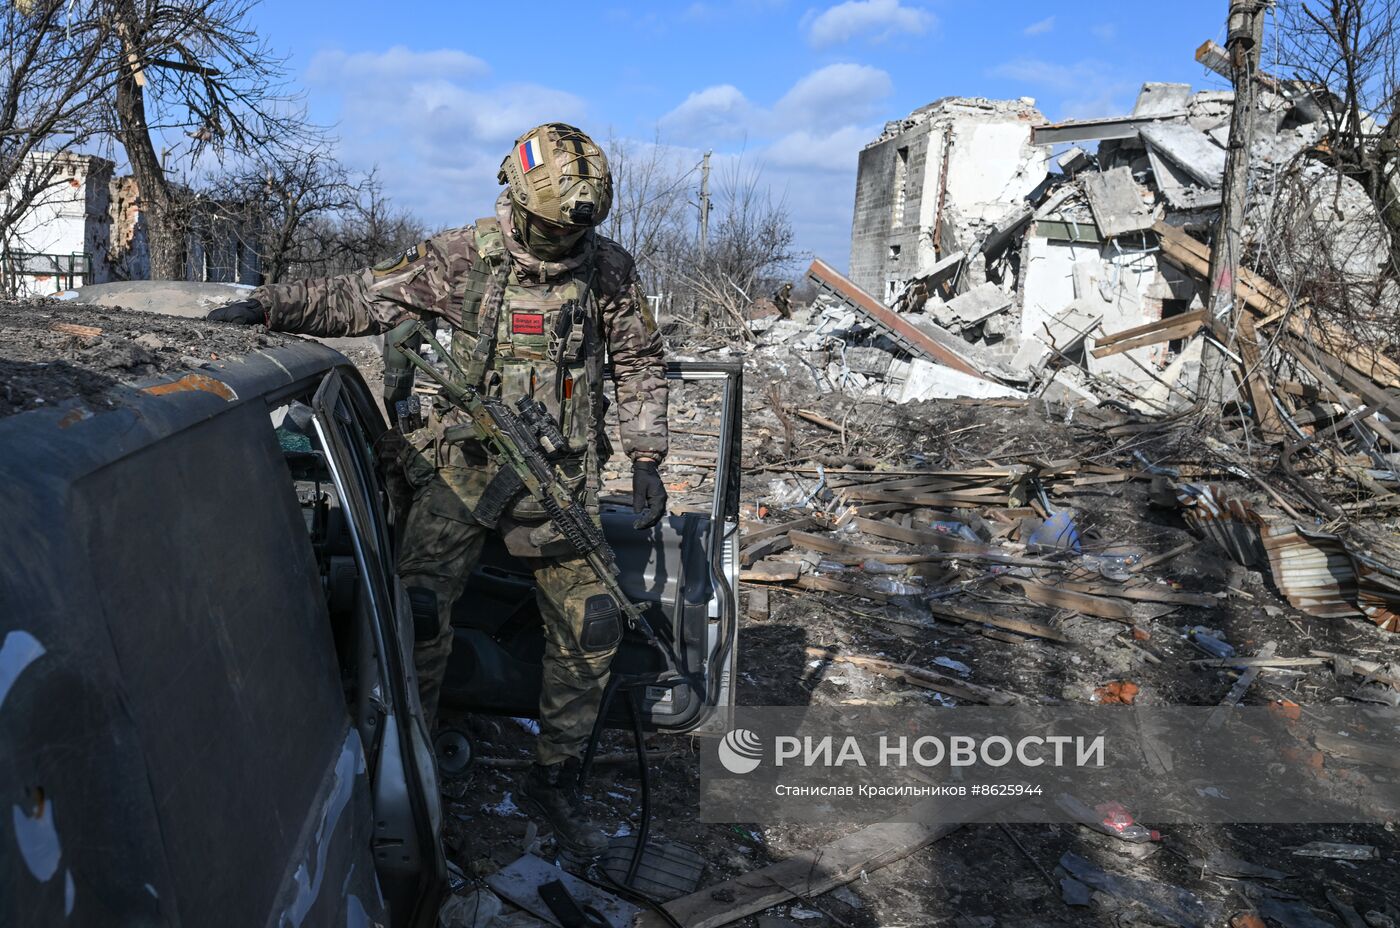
[434, 279]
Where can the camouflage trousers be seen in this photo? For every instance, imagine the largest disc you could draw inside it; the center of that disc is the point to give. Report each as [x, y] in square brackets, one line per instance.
[440, 547]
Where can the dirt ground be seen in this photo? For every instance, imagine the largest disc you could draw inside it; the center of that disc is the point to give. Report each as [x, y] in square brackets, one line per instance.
[988, 875]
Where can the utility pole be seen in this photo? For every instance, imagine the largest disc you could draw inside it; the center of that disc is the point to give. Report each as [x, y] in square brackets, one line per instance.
[1243, 42]
[705, 205]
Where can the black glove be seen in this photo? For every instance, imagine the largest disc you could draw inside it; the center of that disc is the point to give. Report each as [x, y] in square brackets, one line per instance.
[648, 494]
[242, 312]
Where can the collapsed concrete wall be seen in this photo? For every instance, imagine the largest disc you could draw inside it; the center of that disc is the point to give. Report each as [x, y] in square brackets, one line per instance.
[935, 182]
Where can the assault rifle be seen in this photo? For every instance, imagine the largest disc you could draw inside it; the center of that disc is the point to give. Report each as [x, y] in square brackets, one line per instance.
[527, 444]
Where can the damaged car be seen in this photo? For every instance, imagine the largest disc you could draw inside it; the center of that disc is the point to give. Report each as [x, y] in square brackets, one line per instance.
[208, 713]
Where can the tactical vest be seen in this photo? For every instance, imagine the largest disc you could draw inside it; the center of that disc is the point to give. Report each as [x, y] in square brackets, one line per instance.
[542, 340]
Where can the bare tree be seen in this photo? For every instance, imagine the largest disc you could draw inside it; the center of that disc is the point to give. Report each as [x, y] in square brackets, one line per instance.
[197, 70]
[751, 249]
[705, 292]
[275, 207]
[51, 72]
[1346, 53]
[373, 230]
[650, 204]
[310, 217]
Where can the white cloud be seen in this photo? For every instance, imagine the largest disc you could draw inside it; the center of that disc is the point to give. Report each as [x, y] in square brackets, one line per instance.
[876, 20]
[1053, 75]
[828, 98]
[1086, 88]
[807, 143]
[1041, 27]
[397, 63]
[831, 152]
[438, 123]
[1105, 32]
[719, 112]
[434, 123]
[833, 96]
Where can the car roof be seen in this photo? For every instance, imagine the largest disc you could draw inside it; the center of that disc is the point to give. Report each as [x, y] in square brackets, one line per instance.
[81, 386]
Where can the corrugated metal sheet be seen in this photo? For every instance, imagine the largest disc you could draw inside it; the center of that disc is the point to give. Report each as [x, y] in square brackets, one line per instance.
[1230, 523]
[1314, 570]
[1378, 592]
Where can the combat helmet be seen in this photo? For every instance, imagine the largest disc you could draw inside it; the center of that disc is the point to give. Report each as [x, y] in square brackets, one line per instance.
[559, 175]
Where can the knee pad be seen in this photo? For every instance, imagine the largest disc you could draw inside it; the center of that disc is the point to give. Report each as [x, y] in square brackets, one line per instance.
[602, 623]
[423, 603]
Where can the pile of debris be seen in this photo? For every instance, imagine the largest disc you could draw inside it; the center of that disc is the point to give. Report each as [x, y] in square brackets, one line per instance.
[1001, 556]
[997, 276]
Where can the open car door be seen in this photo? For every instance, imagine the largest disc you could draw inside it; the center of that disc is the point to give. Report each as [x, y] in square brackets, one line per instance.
[407, 813]
[683, 572]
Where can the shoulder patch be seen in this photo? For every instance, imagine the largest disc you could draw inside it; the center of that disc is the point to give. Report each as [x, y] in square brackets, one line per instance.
[398, 262]
[490, 242]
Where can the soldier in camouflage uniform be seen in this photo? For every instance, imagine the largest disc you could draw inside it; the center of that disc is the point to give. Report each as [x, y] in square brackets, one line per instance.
[535, 299]
[782, 299]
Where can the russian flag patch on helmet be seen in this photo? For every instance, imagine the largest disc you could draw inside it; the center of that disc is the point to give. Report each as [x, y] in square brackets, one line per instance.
[529, 152]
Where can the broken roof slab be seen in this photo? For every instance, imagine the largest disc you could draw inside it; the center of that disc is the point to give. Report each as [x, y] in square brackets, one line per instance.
[1088, 130]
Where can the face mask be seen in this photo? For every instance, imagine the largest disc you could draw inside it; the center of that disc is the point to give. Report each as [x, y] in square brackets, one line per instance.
[545, 241]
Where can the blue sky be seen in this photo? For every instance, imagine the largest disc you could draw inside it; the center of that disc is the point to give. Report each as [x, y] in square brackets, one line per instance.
[434, 92]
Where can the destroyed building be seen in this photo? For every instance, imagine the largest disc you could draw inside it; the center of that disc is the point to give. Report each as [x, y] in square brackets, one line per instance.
[87, 227]
[935, 181]
[996, 254]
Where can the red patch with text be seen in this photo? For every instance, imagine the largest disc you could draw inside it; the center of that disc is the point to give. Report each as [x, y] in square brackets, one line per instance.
[527, 323]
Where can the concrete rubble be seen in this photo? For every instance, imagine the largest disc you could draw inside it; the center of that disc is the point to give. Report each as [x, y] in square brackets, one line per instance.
[1019, 246]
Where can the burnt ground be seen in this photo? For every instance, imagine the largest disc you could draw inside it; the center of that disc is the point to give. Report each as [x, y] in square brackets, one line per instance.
[989, 875]
[982, 875]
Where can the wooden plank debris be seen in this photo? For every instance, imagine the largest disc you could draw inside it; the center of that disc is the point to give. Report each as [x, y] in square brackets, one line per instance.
[760, 542]
[757, 552]
[905, 333]
[967, 616]
[802, 876]
[920, 677]
[1164, 330]
[85, 332]
[1070, 599]
[911, 536]
[1257, 380]
[771, 572]
[832, 585]
[1142, 594]
[1267, 300]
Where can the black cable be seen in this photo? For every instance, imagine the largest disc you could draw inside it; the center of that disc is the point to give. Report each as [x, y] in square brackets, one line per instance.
[631, 895]
[644, 827]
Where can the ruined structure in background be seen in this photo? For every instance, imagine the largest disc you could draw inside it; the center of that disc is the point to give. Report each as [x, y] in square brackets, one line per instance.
[936, 184]
[87, 228]
[1068, 260]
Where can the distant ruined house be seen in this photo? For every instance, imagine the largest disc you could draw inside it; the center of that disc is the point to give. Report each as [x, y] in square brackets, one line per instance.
[934, 183]
[87, 228]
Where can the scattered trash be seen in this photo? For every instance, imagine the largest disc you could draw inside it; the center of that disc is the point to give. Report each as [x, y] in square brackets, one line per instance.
[521, 884]
[476, 909]
[1055, 533]
[1331, 851]
[1119, 692]
[1206, 640]
[505, 808]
